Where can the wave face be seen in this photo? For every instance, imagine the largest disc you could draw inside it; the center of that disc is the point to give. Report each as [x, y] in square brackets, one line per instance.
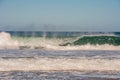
[60, 40]
[94, 40]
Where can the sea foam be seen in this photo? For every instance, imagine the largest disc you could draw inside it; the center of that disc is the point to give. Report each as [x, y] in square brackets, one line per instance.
[53, 64]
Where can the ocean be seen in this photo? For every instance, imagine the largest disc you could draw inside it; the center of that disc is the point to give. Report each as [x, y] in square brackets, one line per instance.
[59, 55]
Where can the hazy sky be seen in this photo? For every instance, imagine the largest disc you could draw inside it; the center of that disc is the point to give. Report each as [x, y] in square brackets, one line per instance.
[60, 15]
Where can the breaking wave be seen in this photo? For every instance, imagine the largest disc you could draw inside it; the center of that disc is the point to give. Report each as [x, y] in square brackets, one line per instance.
[100, 42]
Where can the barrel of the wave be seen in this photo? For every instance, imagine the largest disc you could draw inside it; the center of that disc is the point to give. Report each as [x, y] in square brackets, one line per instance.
[6, 42]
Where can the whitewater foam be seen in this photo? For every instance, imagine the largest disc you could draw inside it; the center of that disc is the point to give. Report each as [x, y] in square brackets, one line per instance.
[51, 64]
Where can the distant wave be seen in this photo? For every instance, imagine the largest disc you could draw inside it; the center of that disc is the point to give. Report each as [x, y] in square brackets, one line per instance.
[91, 42]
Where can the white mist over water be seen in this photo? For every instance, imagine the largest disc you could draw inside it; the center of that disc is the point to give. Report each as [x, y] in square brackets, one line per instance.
[8, 42]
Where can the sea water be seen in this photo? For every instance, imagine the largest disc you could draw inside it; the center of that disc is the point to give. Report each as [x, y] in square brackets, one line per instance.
[59, 65]
[20, 58]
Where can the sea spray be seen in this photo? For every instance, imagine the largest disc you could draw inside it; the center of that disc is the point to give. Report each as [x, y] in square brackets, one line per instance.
[7, 42]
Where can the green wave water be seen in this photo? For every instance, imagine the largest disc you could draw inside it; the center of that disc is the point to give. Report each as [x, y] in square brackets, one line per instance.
[96, 40]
